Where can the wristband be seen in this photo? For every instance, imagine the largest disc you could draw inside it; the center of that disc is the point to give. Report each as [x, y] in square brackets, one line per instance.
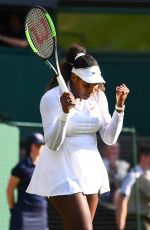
[122, 108]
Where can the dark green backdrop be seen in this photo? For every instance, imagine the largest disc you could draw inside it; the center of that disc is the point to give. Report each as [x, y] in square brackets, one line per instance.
[24, 76]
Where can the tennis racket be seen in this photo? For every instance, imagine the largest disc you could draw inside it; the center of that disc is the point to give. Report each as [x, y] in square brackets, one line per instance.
[41, 36]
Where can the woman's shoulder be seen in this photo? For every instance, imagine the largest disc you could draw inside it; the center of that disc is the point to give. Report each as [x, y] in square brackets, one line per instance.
[51, 94]
[51, 99]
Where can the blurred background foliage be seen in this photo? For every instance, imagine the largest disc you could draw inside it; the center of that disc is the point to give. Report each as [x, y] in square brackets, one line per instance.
[105, 32]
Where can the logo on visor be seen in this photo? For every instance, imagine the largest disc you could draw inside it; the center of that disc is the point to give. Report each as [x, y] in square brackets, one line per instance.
[93, 72]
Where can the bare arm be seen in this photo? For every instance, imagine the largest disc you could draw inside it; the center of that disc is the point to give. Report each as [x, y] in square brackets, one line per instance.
[16, 42]
[12, 184]
[121, 211]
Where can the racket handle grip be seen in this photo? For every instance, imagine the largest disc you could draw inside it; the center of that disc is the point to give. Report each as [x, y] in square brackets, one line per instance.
[62, 84]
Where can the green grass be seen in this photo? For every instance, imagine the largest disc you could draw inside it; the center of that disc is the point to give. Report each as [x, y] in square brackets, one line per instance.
[105, 32]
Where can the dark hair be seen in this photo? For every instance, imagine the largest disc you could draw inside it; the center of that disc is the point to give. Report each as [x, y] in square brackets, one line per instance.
[143, 150]
[69, 62]
[34, 138]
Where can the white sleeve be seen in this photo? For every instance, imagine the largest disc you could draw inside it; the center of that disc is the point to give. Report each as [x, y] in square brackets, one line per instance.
[127, 184]
[54, 121]
[110, 126]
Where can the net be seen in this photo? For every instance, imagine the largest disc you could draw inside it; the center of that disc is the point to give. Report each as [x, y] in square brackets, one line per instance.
[40, 32]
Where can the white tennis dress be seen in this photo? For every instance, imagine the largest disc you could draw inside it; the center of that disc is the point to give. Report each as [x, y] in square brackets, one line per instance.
[70, 162]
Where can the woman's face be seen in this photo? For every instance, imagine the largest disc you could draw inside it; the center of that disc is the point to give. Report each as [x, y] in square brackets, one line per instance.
[82, 89]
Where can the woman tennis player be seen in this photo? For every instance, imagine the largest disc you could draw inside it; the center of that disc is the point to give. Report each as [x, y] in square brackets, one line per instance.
[70, 170]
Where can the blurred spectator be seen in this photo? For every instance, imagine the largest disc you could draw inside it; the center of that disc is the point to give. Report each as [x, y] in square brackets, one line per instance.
[124, 192]
[30, 211]
[116, 168]
[143, 186]
[12, 31]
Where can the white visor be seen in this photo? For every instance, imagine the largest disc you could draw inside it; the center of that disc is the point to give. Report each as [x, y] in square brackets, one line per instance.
[90, 75]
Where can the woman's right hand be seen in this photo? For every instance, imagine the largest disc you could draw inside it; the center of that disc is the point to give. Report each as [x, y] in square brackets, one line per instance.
[67, 102]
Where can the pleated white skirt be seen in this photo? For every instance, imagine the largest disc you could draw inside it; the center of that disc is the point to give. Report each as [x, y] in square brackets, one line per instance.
[76, 167]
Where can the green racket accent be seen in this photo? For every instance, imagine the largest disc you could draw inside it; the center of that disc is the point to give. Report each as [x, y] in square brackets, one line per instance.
[30, 41]
[51, 24]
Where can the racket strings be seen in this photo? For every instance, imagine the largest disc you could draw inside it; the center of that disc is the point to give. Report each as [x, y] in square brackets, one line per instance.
[40, 32]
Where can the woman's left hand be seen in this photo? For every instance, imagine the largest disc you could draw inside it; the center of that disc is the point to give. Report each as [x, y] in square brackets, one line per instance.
[121, 94]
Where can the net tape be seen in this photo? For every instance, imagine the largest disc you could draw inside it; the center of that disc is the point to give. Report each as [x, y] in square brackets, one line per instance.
[40, 32]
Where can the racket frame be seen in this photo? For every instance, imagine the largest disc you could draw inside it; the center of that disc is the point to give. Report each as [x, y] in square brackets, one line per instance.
[59, 77]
